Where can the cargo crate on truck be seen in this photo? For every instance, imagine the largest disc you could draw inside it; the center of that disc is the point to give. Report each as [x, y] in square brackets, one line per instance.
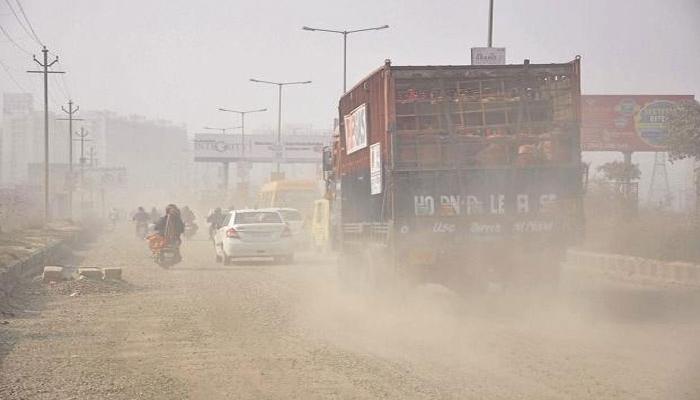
[459, 173]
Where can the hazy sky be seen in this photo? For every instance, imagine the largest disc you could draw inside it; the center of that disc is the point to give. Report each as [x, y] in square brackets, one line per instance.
[179, 59]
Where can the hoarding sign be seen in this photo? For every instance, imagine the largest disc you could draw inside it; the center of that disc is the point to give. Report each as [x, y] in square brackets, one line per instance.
[625, 123]
[375, 168]
[356, 129]
[212, 147]
[488, 55]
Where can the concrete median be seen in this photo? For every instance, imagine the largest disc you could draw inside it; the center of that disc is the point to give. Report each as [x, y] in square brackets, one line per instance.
[636, 269]
[25, 253]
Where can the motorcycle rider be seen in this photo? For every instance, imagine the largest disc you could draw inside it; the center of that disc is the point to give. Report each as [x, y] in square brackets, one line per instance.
[141, 218]
[188, 216]
[215, 220]
[170, 226]
[154, 215]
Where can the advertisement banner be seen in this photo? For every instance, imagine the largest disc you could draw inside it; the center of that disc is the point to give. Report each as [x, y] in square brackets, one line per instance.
[488, 55]
[625, 123]
[212, 147]
[356, 129]
[375, 168]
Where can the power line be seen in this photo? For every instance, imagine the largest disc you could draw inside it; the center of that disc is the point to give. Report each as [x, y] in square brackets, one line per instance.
[21, 9]
[65, 85]
[62, 90]
[62, 84]
[12, 78]
[19, 20]
[20, 48]
[33, 90]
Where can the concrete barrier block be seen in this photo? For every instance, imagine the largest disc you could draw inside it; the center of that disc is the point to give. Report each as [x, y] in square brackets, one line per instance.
[90, 272]
[634, 265]
[599, 261]
[52, 274]
[665, 271]
[112, 273]
[655, 268]
[646, 267]
[681, 272]
[621, 264]
[694, 274]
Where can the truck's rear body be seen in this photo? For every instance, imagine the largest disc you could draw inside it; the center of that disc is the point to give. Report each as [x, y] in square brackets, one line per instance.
[448, 161]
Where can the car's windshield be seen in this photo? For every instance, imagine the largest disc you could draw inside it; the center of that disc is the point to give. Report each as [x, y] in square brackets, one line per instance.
[257, 217]
[290, 215]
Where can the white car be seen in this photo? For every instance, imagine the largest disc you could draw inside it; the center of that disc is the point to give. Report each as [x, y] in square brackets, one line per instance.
[254, 233]
[295, 220]
[292, 217]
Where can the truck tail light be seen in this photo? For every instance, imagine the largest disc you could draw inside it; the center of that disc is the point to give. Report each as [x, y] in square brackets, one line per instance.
[232, 233]
[286, 232]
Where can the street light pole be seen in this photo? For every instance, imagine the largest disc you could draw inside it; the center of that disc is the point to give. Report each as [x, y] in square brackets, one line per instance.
[345, 34]
[279, 123]
[345, 62]
[242, 114]
[279, 110]
[223, 130]
[490, 23]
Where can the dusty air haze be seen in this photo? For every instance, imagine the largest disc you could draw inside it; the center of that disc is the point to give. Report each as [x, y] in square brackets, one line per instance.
[105, 302]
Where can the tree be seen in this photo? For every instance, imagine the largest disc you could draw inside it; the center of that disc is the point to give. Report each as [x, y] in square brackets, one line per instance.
[683, 131]
[618, 171]
[683, 140]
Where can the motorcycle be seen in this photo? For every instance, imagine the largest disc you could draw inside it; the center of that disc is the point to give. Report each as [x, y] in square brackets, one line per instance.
[212, 230]
[141, 229]
[164, 254]
[190, 230]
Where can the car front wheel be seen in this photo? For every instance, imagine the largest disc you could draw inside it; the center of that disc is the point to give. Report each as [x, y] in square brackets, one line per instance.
[227, 260]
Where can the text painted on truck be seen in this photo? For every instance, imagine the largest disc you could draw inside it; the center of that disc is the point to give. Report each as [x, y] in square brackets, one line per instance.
[493, 204]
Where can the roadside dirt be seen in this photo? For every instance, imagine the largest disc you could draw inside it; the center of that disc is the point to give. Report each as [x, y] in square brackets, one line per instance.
[261, 331]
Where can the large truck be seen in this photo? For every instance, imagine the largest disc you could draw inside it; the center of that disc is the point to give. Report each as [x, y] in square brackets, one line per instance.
[460, 174]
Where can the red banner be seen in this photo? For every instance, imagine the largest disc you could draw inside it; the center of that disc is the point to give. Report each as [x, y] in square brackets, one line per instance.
[625, 123]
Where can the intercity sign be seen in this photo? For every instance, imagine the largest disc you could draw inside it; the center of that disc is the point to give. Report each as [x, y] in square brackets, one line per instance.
[211, 147]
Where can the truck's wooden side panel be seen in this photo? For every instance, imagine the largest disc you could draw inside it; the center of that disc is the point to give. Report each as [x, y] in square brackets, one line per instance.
[444, 119]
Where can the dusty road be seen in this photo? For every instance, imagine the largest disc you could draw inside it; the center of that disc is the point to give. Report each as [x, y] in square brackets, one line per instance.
[263, 331]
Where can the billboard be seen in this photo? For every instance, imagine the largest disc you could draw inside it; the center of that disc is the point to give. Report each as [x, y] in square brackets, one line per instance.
[213, 147]
[625, 123]
[488, 55]
[356, 129]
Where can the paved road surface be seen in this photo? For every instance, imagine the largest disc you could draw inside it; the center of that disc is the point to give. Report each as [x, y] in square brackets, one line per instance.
[263, 331]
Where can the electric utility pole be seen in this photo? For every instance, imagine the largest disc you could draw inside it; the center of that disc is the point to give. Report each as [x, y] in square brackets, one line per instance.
[82, 135]
[70, 111]
[45, 65]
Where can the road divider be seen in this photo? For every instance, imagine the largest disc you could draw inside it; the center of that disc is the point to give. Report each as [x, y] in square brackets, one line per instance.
[635, 269]
[25, 253]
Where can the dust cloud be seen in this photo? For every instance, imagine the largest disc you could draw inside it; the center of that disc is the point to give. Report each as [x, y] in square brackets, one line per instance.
[543, 343]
